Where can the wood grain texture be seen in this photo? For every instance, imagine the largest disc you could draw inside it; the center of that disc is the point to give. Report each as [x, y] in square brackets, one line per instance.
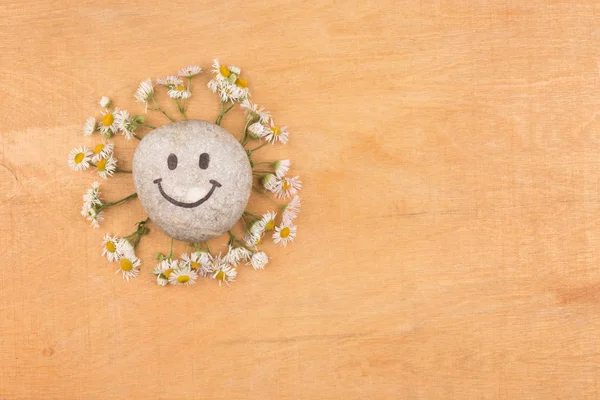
[448, 245]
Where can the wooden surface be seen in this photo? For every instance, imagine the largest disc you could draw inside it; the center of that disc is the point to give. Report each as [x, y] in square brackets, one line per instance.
[448, 245]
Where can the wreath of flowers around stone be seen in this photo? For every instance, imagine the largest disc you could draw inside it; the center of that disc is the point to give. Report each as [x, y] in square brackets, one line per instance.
[270, 179]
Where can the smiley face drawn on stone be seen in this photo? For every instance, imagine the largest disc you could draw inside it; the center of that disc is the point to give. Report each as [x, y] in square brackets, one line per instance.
[203, 164]
[193, 178]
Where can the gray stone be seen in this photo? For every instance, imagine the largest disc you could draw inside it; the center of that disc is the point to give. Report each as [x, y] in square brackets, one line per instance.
[193, 178]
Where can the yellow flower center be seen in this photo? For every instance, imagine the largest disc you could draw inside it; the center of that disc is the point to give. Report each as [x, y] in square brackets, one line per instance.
[180, 88]
[276, 131]
[107, 120]
[168, 272]
[241, 82]
[79, 157]
[110, 246]
[285, 232]
[125, 264]
[101, 164]
[286, 185]
[224, 71]
[195, 265]
[99, 148]
[270, 225]
[221, 276]
[183, 278]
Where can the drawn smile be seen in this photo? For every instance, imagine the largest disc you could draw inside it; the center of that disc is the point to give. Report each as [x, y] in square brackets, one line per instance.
[171, 200]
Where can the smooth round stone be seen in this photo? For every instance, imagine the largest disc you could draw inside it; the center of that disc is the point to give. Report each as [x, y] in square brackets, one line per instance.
[193, 178]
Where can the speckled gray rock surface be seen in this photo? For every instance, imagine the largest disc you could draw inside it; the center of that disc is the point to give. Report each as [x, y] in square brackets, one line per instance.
[193, 178]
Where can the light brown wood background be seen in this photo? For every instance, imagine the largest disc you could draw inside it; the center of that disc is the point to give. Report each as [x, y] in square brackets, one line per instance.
[448, 244]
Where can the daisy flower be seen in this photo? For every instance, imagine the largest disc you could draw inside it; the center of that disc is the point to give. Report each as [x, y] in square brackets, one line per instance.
[284, 233]
[223, 272]
[129, 267]
[270, 182]
[105, 102]
[288, 187]
[253, 110]
[259, 260]
[93, 216]
[281, 167]
[237, 254]
[92, 206]
[268, 220]
[125, 249]
[108, 124]
[106, 167]
[254, 233]
[125, 124]
[170, 81]
[183, 276]
[257, 130]
[228, 83]
[164, 269]
[90, 126]
[79, 158]
[277, 134]
[198, 261]
[110, 246]
[144, 92]
[102, 150]
[92, 195]
[189, 71]
[291, 210]
[179, 92]
[252, 239]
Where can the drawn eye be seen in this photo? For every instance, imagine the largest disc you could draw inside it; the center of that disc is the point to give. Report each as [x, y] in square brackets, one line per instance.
[172, 161]
[204, 159]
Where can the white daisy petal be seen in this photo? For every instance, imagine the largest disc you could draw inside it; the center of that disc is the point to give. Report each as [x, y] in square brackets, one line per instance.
[281, 167]
[190, 70]
[183, 276]
[108, 124]
[79, 158]
[277, 134]
[284, 233]
[287, 187]
[129, 267]
[144, 92]
[105, 102]
[291, 209]
[110, 248]
[259, 260]
[102, 150]
[90, 126]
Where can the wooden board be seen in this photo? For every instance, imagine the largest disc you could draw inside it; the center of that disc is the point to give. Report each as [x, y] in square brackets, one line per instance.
[448, 243]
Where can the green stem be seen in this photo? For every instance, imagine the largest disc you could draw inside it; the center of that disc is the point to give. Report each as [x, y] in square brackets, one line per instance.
[243, 140]
[171, 250]
[135, 237]
[256, 148]
[233, 240]
[148, 126]
[268, 197]
[161, 110]
[116, 203]
[180, 108]
[136, 136]
[251, 214]
[223, 112]
[208, 247]
[125, 171]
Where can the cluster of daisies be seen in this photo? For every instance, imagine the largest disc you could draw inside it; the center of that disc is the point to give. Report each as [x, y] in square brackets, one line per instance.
[271, 180]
